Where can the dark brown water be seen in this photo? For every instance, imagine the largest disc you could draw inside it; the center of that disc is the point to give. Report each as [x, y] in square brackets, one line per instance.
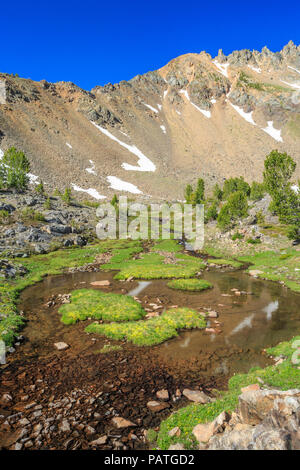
[266, 315]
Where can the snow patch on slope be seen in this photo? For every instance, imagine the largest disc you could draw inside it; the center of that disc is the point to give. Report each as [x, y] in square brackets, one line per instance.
[165, 93]
[92, 169]
[223, 68]
[92, 192]
[275, 133]
[293, 85]
[120, 185]
[151, 107]
[203, 111]
[33, 179]
[256, 69]
[163, 129]
[144, 163]
[69, 145]
[293, 68]
[247, 116]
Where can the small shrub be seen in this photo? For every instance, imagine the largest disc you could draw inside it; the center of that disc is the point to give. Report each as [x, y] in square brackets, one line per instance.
[188, 194]
[224, 218]
[293, 232]
[66, 196]
[29, 214]
[4, 217]
[237, 236]
[233, 185]
[93, 204]
[212, 212]
[254, 241]
[199, 193]
[39, 189]
[260, 218]
[47, 204]
[114, 200]
[257, 191]
[217, 192]
[14, 167]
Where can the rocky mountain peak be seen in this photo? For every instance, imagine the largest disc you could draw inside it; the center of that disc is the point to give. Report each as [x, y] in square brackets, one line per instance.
[197, 116]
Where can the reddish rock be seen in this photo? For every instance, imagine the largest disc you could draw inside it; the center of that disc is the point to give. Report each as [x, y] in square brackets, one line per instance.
[122, 422]
[156, 406]
[163, 395]
[196, 396]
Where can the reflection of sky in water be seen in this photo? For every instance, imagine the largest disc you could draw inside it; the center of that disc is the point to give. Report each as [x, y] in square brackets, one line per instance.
[222, 368]
[271, 308]
[246, 323]
[186, 342]
[137, 290]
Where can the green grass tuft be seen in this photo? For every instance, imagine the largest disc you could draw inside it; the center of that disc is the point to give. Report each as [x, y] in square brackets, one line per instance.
[190, 284]
[88, 303]
[153, 331]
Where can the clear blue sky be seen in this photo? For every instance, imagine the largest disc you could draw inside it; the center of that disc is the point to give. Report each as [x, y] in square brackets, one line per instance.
[95, 42]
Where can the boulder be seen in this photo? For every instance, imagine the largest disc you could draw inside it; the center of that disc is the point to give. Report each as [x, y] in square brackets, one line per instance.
[250, 388]
[120, 422]
[99, 442]
[203, 432]
[196, 396]
[156, 406]
[233, 440]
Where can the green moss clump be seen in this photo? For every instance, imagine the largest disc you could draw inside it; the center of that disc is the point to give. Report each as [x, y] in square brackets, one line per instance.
[153, 331]
[190, 284]
[88, 303]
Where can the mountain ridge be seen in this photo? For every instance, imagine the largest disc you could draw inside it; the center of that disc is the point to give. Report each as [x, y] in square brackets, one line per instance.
[197, 116]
